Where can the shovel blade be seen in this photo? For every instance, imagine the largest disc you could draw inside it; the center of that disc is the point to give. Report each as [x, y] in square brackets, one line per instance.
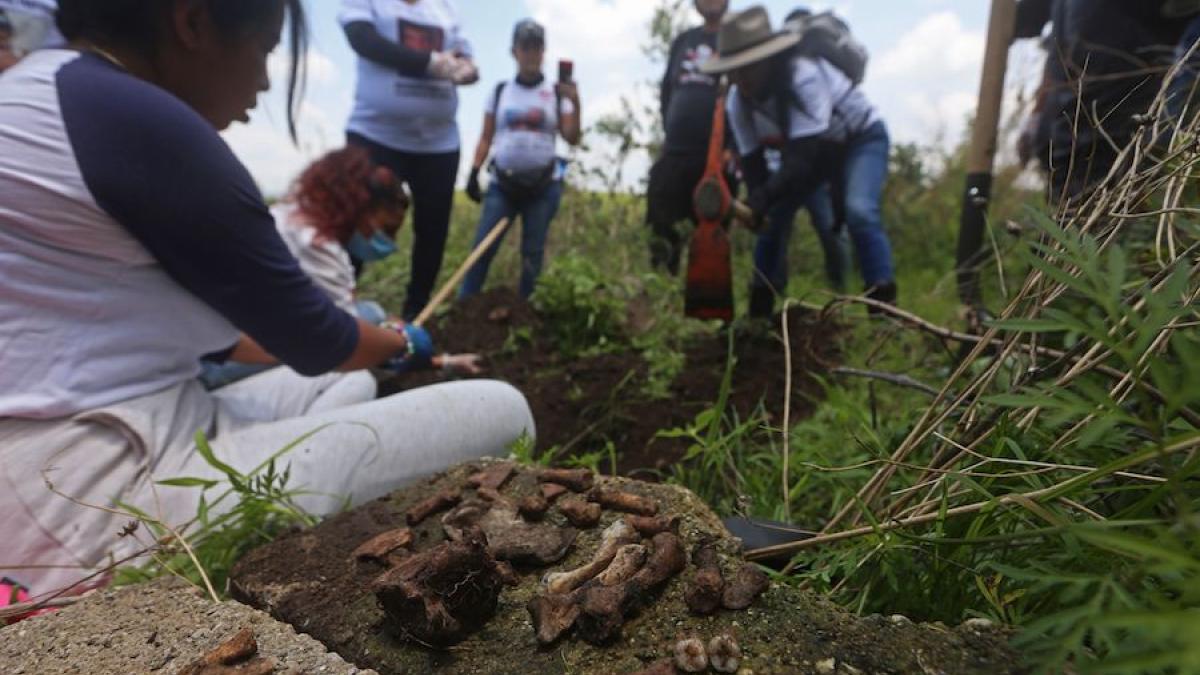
[709, 293]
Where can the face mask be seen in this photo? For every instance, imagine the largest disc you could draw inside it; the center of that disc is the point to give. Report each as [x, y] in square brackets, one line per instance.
[378, 247]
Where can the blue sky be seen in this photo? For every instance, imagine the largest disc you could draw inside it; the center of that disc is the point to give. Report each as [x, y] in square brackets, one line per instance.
[926, 57]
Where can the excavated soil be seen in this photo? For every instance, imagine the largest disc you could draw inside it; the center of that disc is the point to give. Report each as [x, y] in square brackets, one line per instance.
[311, 580]
[583, 404]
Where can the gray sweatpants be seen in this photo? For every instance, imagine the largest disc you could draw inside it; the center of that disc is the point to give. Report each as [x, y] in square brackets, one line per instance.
[57, 477]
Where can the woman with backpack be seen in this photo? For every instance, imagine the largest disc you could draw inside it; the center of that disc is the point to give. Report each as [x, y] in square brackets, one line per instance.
[412, 56]
[791, 97]
[123, 266]
[524, 118]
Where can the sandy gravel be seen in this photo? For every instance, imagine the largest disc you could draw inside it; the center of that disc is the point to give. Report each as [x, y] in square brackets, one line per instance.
[155, 628]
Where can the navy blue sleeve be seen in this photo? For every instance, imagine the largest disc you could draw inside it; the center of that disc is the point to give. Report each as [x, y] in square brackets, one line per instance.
[162, 172]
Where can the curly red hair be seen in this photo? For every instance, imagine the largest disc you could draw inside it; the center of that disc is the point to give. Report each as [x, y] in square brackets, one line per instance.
[340, 190]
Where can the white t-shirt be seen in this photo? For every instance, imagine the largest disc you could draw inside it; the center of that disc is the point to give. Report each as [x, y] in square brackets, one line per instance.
[323, 260]
[833, 109]
[410, 114]
[526, 125]
[33, 25]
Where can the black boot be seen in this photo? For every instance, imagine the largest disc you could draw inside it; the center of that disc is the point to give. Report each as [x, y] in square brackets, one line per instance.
[762, 302]
[885, 293]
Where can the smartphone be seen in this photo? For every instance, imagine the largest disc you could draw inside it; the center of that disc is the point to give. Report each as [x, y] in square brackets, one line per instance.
[566, 70]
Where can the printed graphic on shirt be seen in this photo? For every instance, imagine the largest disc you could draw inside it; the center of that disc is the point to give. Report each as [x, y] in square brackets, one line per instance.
[689, 66]
[422, 37]
[526, 125]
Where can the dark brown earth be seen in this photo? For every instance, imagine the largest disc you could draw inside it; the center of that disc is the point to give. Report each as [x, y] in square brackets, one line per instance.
[582, 404]
[312, 580]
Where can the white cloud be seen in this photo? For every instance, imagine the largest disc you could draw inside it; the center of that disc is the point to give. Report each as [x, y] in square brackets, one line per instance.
[939, 45]
[321, 69]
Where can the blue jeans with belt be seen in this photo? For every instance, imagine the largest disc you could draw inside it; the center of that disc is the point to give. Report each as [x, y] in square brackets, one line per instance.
[860, 183]
[771, 253]
[536, 214]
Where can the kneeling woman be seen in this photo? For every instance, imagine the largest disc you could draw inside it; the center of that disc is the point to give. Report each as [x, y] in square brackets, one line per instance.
[133, 243]
[523, 120]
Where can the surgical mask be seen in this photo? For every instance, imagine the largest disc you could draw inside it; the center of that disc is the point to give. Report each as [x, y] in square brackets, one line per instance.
[378, 247]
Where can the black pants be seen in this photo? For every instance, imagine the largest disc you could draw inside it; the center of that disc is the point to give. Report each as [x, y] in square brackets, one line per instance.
[430, 179]
[673, 181]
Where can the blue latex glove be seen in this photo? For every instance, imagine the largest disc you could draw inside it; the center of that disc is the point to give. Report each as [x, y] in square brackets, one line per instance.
[418, 356]
[420, 345]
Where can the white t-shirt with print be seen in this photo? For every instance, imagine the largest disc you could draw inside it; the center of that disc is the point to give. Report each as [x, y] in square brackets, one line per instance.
[411, 114]
[527, 124]
[826, 104]
[33, 25]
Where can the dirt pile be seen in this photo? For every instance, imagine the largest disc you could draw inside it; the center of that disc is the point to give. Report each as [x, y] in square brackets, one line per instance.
[583, 403]
[622, 613]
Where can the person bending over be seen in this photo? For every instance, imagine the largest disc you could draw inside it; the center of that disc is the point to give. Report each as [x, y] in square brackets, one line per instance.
[825, 130]
[342, 207]
[133, 242]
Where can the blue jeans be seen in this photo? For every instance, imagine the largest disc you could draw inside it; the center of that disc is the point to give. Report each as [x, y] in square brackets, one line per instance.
[216, 375]
[859, 184]
[1182, 87]
[770, 255]
[536, 215]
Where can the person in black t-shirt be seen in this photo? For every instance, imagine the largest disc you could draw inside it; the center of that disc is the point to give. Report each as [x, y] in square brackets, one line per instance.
[1105, 67]
[688, 98]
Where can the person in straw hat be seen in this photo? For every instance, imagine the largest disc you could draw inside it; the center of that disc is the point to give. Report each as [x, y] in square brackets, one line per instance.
[825, 130]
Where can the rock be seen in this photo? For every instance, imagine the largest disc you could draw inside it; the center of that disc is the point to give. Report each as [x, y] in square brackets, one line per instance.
[441, 596]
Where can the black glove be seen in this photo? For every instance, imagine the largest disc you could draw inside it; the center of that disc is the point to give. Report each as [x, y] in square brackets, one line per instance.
[759, 201]
[473, 189]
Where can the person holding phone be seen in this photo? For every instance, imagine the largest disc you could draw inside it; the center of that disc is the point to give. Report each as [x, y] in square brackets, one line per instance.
[523, 120]
[412, 56]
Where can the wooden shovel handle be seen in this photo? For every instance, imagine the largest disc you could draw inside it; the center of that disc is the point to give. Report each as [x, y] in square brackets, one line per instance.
[450, 285]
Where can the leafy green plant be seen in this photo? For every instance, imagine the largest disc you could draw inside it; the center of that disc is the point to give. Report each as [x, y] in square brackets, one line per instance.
[253, 509]
[582, 308]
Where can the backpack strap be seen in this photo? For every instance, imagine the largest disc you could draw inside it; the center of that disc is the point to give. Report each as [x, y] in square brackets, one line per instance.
[496, 101]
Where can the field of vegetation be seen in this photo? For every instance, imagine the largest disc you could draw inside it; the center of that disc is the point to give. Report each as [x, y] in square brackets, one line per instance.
[1043, 474]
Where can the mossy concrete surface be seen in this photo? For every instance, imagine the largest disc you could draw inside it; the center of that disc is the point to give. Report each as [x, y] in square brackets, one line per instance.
[311, 581]
[159, 627]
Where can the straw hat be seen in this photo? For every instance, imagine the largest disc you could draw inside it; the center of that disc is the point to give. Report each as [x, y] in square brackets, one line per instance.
[746, 38]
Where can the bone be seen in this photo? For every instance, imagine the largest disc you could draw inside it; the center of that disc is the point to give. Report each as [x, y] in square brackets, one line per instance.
[240, 647]
[533, 507]
[691, 655]
[724, 654]
[493, 477]
[649, 526]
[704, 595]
[604, 608]
[625, 502]
[439, 502]
[507, 574]
[509, 537]
[746, 586]
[578, 480]
[625, 564]
[442, 595]
[581, 514]
[553, 615]
[380, 546]
[612, 540]
[552, 491]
